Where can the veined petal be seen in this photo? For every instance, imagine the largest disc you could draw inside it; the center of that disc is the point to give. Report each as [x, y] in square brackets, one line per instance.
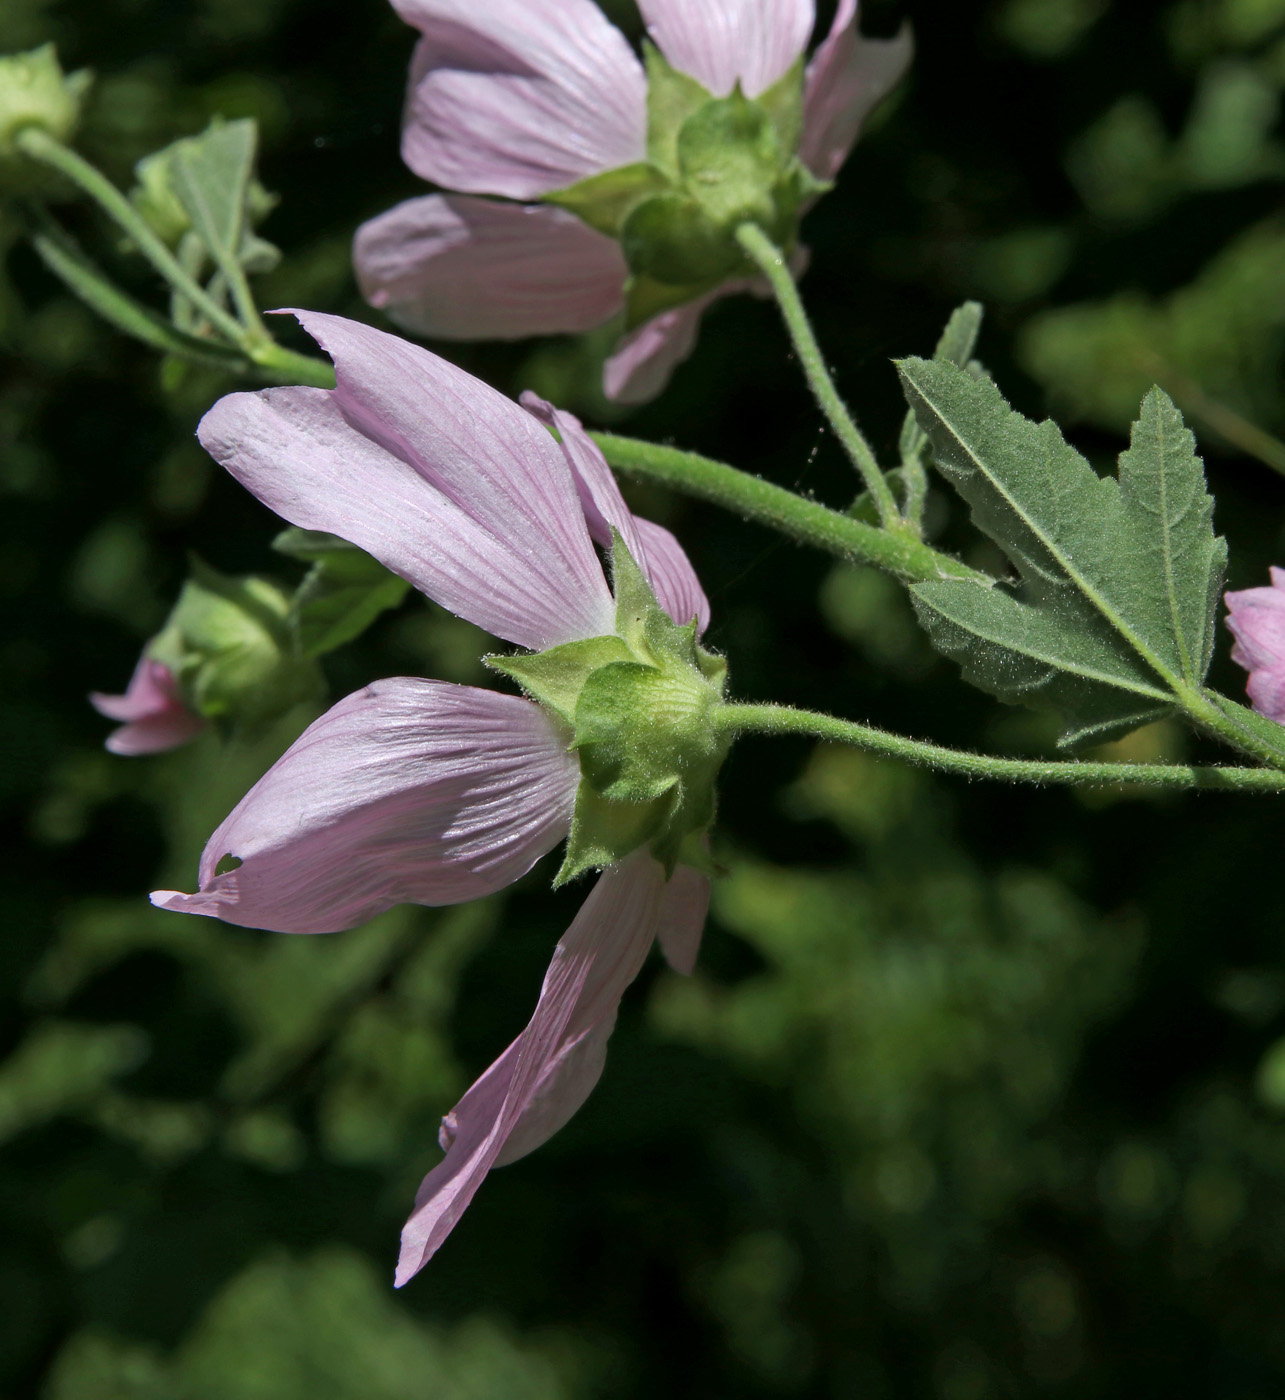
[520, 97]
[682, 918]
[461, 268]
[847, 78]
[551, 1067]
[673, 580]
[661, 558]
[407, 792]
[151, 712]
[719, 42]
[647, 357]
[443, 480]
[1256, 618]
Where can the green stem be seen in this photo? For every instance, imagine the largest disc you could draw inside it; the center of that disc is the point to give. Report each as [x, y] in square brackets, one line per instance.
[289, 367]
[897, 553]
[778, 719]
[771, 262]
[1223, 721]
[66, 261]
[39, 145]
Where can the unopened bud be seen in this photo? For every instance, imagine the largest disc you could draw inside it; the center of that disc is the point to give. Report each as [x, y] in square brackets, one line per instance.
[35, 92]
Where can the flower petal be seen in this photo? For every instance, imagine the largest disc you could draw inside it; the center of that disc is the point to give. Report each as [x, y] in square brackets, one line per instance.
[443, 480]
[153, 715]
[682, 918]
[848, 77]
[673, 580]
[647, 357]
[718, 42]
[520, 97]
[462, 268]
[407, 792]
[1256, 618]
[661, 558]
[548, 1071]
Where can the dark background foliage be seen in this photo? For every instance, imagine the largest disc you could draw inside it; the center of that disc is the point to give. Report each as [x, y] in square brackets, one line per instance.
[978, 1093]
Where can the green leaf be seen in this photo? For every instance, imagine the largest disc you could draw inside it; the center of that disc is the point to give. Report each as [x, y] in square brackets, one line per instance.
[343, 593]
[556, 677]
[210, 175]
[1176, 562]
[1251, 723]
[783, 102]
[605, 201]
[1114, 609]
[956, 346]
[672, 97]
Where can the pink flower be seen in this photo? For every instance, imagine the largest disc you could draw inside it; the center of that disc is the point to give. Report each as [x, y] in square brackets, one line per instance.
[1256, 617]
[424, 792]
[151, 712]
[524, 98]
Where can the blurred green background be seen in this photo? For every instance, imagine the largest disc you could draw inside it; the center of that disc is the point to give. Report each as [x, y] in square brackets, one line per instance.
[977, 1093]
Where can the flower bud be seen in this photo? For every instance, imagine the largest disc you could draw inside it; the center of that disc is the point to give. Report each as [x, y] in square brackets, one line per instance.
[639, 708]
[34, 92]
[231, 646]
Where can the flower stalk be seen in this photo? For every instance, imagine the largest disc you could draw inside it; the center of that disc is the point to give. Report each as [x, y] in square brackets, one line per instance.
[771, 262]
[781, 719]
[896, 552]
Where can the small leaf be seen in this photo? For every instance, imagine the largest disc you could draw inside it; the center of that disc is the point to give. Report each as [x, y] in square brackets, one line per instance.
[344, 592]
[672, 97]
[556, 677]
[956, 346]
[783, 102]
[1114, 611]
[211, 176]
[605, 201]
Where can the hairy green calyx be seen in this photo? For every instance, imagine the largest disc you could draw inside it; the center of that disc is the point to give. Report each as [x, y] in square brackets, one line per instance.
[639, 708]
[712, 164]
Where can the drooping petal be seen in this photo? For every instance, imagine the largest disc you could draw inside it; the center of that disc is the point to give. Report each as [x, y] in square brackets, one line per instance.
[407, 792]
[520, 97]
[661, 558]
[647, 357]
[682, 918]
[551, 1067]
[847, 78]
[443, 480]
[718, 42]
[1256, 618]
[461, 268]
[151, 712]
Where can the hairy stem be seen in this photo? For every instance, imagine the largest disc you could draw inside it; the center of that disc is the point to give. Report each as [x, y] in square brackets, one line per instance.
[897, 553]
[771, 262]
[779, 719]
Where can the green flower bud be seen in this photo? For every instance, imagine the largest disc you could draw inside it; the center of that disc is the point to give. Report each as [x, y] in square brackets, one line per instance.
[639, 709]
[713, 164]
[34, 92]
[231, 645]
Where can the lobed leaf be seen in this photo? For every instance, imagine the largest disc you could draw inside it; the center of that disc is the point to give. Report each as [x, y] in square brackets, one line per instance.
[1114, 605]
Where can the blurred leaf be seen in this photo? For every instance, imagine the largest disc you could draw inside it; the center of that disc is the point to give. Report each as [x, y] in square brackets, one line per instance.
[324, 1329]
[344, 592]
